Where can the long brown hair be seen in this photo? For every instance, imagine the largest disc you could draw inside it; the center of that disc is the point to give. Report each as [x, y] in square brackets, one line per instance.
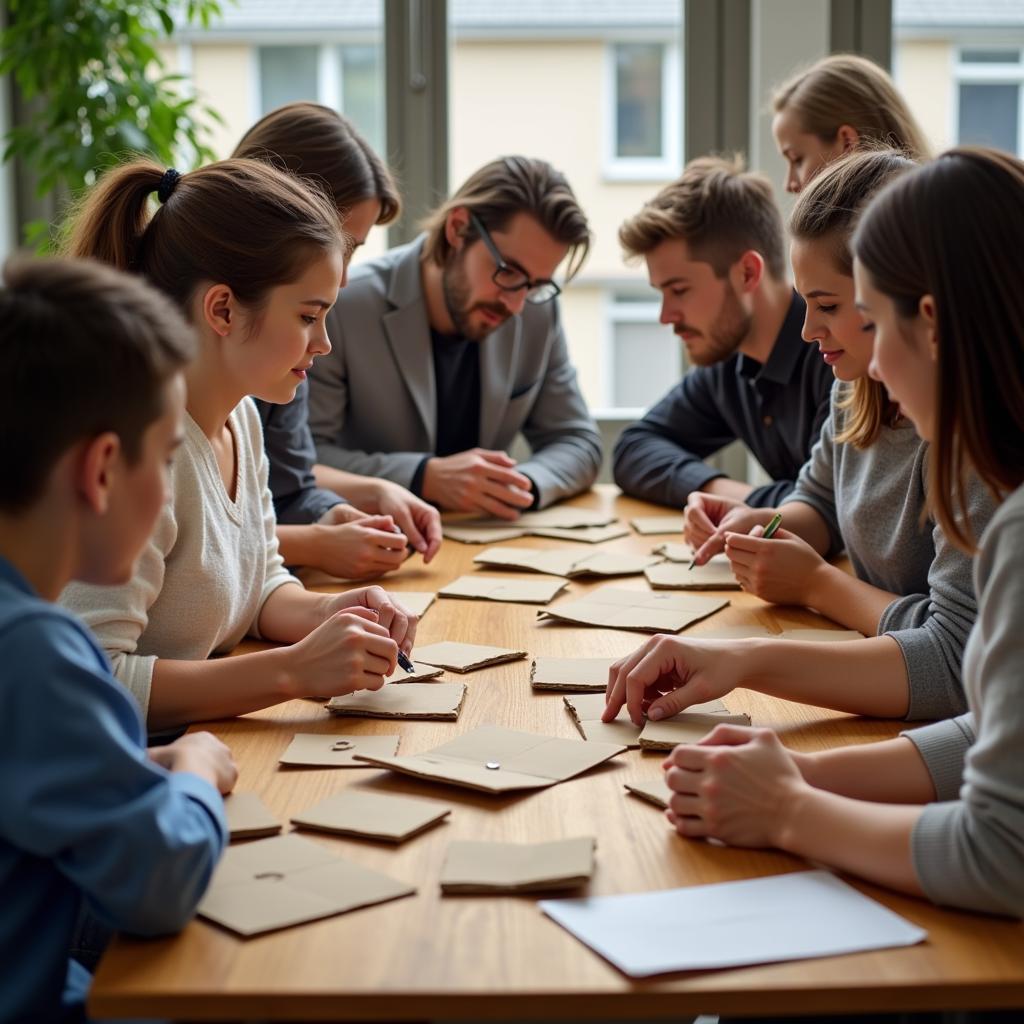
[242, 223]
[507, 186]
[827, 211]
[318, 143]
[952, 229]
[845, 88]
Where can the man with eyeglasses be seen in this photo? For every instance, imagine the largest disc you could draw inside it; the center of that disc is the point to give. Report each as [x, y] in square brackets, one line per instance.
[448, 347]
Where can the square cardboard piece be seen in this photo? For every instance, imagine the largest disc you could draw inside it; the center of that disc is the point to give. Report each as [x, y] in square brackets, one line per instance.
[821, 636]
[497, 760]
[716, 574]
[653, 791]
[583, 534]
[480, 534]
[353, 812]
[465, 657]
[566, 561]
[674, 551]
[334, 750]
[275, 883]
[580, 675]
[415, 601]
[472, 866]
[249, 817]
[411, 700]
[647, 525]
[494, 588]
[636, 609]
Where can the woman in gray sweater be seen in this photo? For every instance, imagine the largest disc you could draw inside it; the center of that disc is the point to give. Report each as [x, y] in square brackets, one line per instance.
[938, 811]
[864, 489]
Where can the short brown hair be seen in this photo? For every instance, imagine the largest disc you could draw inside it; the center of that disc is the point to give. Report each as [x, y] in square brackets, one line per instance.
[952, 229]
[318, 143]
[505, 187]
[846, 88]
[242, 223]
[718, 209]
[827, 211]
[85, 350]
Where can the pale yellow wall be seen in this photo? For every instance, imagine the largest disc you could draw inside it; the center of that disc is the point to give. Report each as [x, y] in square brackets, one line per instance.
[924, 74]
[222, 74]
[583, 313]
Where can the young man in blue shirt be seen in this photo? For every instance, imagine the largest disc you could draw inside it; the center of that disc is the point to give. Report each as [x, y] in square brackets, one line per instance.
[91, 409]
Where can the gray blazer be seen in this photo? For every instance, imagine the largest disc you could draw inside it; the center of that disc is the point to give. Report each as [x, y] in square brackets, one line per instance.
[373, 402]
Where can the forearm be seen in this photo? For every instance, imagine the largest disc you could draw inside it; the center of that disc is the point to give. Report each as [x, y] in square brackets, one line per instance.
[297, 544]
[195, 691]
[849, 600]
[725, 487]
[862, 677]
[807, 523]
[291, 613]
[870, 840]
[891, 771]
[362, 491]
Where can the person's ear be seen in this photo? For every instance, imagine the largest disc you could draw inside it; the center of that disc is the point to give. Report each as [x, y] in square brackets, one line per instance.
[456, 226]
[926, 311]
[749, 271]
[847, 137]
[217, 309]
[97, 471]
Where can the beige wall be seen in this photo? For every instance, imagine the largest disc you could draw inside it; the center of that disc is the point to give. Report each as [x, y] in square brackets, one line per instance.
[924, 73]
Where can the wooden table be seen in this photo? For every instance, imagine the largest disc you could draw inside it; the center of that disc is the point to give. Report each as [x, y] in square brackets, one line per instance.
[428, 957]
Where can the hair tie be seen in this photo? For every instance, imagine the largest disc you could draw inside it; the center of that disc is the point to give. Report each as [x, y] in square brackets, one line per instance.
[167, 184]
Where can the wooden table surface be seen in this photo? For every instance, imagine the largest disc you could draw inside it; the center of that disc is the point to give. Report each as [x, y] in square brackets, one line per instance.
[430, 957]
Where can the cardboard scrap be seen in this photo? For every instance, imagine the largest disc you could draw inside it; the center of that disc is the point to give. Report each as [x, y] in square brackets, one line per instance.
[465, 657]
[411, 700]
[651, 790]
[674, 551]
[275, 883]
[715, 574]
[497, 760]
[494, 588]
[471, 866]
[334, 750]
[582, 675]
[415, 601]
[582, 534]
[353, 812]
[657, 524]
[249, 817]
[421, 673]
[566, 562]
[636, 609]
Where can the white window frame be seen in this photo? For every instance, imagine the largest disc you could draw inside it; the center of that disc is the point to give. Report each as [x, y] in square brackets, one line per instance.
[989, 74]
[667, 166]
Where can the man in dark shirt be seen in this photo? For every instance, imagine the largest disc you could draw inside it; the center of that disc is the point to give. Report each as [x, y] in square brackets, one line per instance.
[448, 347]
[713, 245]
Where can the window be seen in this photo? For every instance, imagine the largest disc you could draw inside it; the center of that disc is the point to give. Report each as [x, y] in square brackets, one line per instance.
[645, 357]
[990, 110]
[644, 125]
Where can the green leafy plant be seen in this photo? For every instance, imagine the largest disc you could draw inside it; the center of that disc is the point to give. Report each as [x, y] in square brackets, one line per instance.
[95, 90]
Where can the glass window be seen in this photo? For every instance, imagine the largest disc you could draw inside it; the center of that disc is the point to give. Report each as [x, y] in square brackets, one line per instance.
[639, 103]
[990, 56]
[990, 115]
[287, 74]
[362, 91]
[646, 358]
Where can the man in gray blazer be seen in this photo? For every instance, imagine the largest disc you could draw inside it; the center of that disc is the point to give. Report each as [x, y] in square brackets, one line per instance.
[446, 348]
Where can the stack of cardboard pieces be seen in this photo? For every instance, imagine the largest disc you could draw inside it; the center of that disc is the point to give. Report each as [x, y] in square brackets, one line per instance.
[636, 609]
[560, 523]
[275, 883]
[479, 867]
[497, 760]
[493, 588]
[566, 561]
[354, 812]
[688, 726]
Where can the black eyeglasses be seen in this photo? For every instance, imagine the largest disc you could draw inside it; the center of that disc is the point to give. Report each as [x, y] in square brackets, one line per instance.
[512, 279]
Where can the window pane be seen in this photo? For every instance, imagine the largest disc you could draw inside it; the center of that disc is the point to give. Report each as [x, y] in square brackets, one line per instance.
[988, 115]
[287, 74]
[990, 56]
[647, 362]
[638, 99]
[362, 91]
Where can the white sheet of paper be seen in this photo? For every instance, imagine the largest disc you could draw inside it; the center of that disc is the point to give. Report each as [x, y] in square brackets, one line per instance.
[756, 921]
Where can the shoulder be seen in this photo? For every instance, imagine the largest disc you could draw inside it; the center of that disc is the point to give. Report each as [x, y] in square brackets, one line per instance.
[1002, 542]
[245, 419]
[370, 282]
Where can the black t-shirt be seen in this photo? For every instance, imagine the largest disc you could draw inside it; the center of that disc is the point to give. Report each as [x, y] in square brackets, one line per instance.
[457, 385]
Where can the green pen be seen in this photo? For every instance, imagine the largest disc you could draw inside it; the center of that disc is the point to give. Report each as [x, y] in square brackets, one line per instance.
[774, 523]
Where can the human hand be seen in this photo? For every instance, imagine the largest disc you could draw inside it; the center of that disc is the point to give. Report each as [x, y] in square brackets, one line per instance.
[349, 651]
[708, 516]
[361, 549]
[398, 622]
[477, 480]
[781, 569]
[343, 512]
[737, 785]
[420, 522]
[664, 675]
[202, 754]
